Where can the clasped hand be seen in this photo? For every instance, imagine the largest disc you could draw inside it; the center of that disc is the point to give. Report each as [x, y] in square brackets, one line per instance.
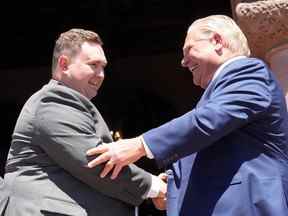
[116, 155]
[119, 154]
[160, 201]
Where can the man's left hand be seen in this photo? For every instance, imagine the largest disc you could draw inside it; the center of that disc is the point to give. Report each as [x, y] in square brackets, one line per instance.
[117, 154]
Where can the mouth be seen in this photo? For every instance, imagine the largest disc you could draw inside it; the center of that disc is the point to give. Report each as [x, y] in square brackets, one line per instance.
[193, 67]
[93, 85]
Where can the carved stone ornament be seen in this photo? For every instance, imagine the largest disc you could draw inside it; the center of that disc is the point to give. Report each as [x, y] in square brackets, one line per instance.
[265, 23]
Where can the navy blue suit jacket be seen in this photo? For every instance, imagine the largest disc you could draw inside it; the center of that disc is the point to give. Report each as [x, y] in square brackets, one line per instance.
[231, 150]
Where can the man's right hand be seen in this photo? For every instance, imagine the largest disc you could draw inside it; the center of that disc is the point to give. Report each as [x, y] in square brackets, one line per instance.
[160, 201]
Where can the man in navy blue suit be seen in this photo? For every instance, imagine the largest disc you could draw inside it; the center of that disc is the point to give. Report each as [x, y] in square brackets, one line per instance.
[229, 155]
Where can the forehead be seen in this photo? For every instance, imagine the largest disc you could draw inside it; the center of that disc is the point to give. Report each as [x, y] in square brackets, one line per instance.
[193, 31]
[190, 37]
[92, 51]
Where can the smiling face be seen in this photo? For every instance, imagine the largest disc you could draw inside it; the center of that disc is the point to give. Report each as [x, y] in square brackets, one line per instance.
[85, 71]
[200, 57]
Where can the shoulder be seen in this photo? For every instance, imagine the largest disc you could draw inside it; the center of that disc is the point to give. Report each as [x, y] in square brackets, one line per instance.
[246, 67]
[247, 63]
[245, 74]
[59, 102]
[61, 107]
[57, 93]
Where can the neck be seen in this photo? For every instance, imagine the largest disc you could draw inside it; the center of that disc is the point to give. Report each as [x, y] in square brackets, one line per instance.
[56, 76]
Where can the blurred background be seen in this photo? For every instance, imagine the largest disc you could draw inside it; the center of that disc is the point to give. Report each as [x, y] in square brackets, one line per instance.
[145, 85]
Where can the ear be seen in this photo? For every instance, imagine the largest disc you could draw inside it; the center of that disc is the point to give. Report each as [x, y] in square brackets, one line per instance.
[219, 43]
[63, 62]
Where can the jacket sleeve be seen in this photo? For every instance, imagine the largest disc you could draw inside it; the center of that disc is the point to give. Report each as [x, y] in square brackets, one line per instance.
[4, 196]
[240, 96]
[66, 130]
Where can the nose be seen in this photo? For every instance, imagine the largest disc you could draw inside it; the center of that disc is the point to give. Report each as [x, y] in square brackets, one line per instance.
[184, 62]
[100, 74]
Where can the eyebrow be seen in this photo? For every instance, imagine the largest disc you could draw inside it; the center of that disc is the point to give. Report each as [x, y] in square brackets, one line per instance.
[103, 63]
[196, 40]
[185, 49]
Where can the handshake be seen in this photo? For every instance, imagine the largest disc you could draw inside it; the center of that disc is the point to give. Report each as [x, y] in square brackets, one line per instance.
[160, 201]
[119, 154]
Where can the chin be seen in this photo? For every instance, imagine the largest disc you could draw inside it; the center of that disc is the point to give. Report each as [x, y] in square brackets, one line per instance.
[94, 95]
[90, 96]
[204, 85]
[196, 83]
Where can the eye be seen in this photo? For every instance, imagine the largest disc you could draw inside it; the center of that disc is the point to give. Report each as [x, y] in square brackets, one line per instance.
[186, 50]
[97, 65]
[94, 65]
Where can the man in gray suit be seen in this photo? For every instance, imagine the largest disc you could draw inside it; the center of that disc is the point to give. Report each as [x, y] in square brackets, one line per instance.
[46, 171]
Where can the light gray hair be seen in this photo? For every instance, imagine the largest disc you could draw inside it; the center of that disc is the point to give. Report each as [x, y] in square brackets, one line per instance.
[225, 26]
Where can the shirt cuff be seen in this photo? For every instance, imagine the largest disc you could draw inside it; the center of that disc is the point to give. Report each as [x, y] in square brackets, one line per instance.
[147, 150]
[155, 187]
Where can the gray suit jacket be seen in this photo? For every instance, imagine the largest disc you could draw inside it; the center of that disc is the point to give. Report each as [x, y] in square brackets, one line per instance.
[46, 171]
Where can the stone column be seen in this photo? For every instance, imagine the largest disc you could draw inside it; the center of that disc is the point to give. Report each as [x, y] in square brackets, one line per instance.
[265, 24]
[278, 60]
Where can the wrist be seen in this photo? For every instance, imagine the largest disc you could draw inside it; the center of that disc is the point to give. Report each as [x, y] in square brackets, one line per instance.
[162, 190]
[141, 149]
[154, 189]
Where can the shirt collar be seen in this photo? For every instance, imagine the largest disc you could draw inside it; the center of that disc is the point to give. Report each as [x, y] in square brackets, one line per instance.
[218, 71]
